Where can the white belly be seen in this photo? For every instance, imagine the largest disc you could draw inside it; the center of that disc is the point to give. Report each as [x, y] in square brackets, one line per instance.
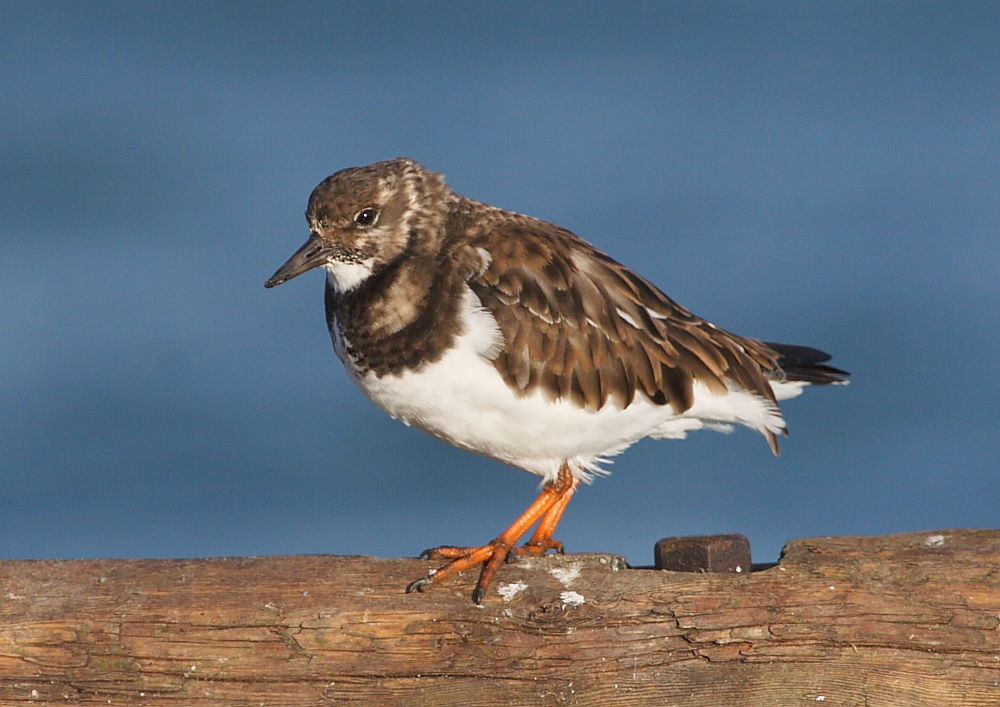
[463, 400]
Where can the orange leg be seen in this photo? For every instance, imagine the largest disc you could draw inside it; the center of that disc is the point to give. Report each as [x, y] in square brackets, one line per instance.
[541, 540]
[549, 506]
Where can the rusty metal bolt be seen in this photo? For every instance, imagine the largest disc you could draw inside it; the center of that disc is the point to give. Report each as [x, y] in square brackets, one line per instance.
[703, 553]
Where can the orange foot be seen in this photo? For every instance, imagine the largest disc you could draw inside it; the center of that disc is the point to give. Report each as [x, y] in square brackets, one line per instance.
[549, 506]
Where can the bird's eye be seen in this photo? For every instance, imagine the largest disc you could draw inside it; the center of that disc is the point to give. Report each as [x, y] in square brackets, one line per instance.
[366, 217]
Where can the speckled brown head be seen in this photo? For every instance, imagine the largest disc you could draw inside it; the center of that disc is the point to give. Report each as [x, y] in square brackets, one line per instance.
[362, 219]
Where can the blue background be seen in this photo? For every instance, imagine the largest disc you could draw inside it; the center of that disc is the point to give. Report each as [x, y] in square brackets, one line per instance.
[824, 174]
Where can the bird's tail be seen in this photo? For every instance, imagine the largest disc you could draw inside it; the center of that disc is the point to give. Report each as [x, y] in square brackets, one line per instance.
[801, 363]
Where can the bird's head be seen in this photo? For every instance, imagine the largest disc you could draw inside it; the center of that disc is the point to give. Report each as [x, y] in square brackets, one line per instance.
[362, 219]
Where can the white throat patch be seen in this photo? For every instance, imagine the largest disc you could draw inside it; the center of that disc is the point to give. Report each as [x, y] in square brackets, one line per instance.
[344, 277]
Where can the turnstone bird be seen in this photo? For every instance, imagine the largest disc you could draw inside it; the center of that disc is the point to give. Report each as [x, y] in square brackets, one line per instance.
[514, 338]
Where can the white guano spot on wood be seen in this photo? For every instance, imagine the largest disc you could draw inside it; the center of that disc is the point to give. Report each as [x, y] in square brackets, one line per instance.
[566, 575]
[509, 591]
[571, 599]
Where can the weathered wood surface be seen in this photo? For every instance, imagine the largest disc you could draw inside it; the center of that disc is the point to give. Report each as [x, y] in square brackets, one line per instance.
[896, 620]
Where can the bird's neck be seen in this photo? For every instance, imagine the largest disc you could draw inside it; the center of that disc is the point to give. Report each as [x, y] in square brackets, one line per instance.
[401, 317]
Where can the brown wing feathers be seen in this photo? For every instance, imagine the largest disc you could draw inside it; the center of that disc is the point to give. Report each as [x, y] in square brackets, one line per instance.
[580, 326]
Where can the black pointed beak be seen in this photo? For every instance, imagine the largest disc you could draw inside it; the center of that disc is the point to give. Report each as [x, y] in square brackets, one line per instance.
[312, 254]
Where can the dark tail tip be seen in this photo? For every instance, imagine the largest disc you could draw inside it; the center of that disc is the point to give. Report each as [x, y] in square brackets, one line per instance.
[801, 363]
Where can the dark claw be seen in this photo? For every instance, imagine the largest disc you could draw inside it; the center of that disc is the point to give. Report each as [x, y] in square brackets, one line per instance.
[511, 558]
[417, 586]
[477, 595]
[427, 554]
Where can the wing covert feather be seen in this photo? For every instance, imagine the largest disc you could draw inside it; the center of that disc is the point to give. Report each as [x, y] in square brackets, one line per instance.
[579, 326]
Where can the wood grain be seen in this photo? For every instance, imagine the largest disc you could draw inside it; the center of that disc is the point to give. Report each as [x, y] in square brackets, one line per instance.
[907, 619]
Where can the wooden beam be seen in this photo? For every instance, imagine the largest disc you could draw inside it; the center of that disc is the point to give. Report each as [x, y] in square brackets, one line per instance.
[907, 619]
